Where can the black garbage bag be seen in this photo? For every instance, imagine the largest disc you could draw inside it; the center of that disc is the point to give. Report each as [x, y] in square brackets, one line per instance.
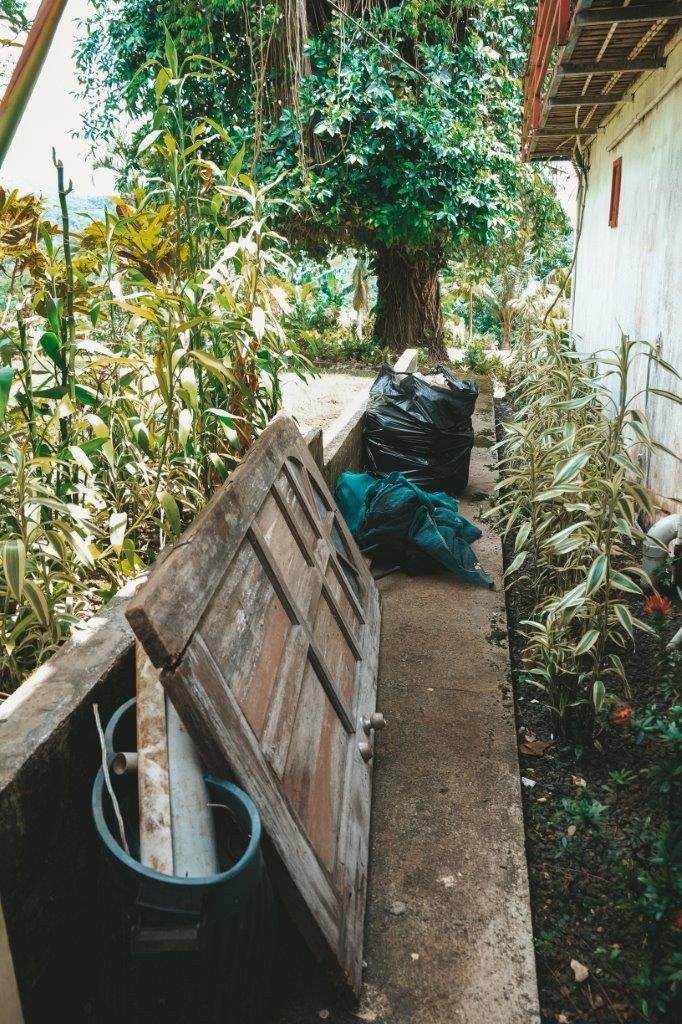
[421, 428]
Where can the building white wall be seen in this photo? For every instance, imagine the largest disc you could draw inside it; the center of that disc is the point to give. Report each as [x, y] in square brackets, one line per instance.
[630, 277]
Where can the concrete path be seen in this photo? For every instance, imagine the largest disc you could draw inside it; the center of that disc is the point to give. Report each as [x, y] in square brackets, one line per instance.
[448, 936]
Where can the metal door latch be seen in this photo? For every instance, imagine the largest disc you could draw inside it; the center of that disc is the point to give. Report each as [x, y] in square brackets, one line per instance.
[370, 724]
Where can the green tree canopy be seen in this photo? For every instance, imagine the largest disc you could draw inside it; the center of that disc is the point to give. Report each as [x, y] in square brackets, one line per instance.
[394, 131]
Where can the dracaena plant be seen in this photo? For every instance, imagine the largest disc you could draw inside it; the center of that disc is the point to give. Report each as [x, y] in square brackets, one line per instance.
[572, 492]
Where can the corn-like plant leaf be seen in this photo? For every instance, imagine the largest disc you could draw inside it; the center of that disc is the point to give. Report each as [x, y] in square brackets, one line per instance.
[188, 383]
[81, 548]
[160, 85]
[140, 311]
[557, 538]
[643, 626]
[51, 346]
[570, 599]
[258, 321]
[522, 536]
[6, 374]
[218, 464]
[596, 574]
[85, 395]
[565, 547]
[117, 530]
[623, 582]
[567, 470]
[517, 563]
[185, 423]
[670, 395]
[37, 602]
[622, 613]
[587, 641]
[81, 459]
[598, 695]
[618, 666]
[211, 363]
[14, 565]
[170, 507]
[575, 403]
[668, 366]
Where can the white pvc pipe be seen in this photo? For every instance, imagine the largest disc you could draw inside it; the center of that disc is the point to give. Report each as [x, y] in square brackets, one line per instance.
[655, 546]
[676, 641]
[153, 774]
[195, 852]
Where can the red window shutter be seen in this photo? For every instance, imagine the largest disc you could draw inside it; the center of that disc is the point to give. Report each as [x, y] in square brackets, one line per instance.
[615, 192]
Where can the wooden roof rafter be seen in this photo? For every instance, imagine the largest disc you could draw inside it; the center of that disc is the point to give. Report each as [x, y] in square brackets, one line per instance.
[586, 58]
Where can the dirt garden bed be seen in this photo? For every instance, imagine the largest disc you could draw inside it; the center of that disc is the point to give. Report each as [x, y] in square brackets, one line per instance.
[602, 844]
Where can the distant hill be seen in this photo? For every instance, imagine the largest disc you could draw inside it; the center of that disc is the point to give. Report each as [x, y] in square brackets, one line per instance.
[82, 209]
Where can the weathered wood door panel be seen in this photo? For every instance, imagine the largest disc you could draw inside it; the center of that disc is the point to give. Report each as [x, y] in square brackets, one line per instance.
[265, 622]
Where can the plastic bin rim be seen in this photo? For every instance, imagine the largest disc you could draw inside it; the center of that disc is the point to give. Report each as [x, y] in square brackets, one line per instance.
[195, 880]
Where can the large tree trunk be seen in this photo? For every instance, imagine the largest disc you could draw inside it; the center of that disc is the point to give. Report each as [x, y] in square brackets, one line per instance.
[409, 313]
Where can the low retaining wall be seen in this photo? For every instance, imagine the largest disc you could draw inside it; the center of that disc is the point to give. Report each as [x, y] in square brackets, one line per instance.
[342, 443]
[49, 754]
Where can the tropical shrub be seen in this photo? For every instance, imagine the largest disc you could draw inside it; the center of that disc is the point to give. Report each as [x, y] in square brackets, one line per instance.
[139, 358]
[572, 491]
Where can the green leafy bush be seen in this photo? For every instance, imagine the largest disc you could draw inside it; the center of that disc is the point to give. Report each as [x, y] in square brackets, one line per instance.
[571, 493]
[140, 357]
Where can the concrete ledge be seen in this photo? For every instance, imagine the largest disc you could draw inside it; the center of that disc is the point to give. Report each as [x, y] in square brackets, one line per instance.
[407, 362]
[343, 442]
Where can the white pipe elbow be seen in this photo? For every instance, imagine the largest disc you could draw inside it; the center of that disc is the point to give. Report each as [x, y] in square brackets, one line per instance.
[655, 545]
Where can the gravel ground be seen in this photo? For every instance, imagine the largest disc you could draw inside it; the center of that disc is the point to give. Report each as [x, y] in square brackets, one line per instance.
[318, 401]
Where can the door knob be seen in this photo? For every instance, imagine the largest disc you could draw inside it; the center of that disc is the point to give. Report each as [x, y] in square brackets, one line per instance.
[366, 752]
[374, 721]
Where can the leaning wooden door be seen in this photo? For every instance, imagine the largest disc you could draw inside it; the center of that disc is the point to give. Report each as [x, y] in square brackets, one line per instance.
[265, 621]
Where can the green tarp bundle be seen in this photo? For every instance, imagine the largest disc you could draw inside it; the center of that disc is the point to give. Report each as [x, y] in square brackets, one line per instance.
[418, 530]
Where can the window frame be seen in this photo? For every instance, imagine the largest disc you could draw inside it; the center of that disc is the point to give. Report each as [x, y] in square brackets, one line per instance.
[614, 203]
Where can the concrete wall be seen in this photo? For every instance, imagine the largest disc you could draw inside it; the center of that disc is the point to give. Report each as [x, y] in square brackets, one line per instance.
[630, 276]
[49, 754]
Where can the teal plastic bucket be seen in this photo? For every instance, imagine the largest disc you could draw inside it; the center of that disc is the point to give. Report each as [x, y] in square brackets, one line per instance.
[178, 950]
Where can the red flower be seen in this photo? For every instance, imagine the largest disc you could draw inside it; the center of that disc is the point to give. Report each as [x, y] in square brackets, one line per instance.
[622, 716]
[658, 605]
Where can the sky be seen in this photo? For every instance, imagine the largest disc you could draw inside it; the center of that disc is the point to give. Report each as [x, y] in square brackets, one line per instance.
[52, 114]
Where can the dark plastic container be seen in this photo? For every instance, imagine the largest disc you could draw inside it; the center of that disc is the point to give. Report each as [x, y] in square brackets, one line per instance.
[174, 950]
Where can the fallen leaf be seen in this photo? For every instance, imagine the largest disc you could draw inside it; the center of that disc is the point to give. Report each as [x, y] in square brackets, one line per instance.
[534, 748]
[415, 956]
[571, 830]
[529, 783]
[562, 1018]
[448, 881]
[577, 780]
[580, 972]
[323, 1015]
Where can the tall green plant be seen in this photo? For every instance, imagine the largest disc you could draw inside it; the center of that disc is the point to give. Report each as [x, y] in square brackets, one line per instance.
[139, 358]
[572, 491]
